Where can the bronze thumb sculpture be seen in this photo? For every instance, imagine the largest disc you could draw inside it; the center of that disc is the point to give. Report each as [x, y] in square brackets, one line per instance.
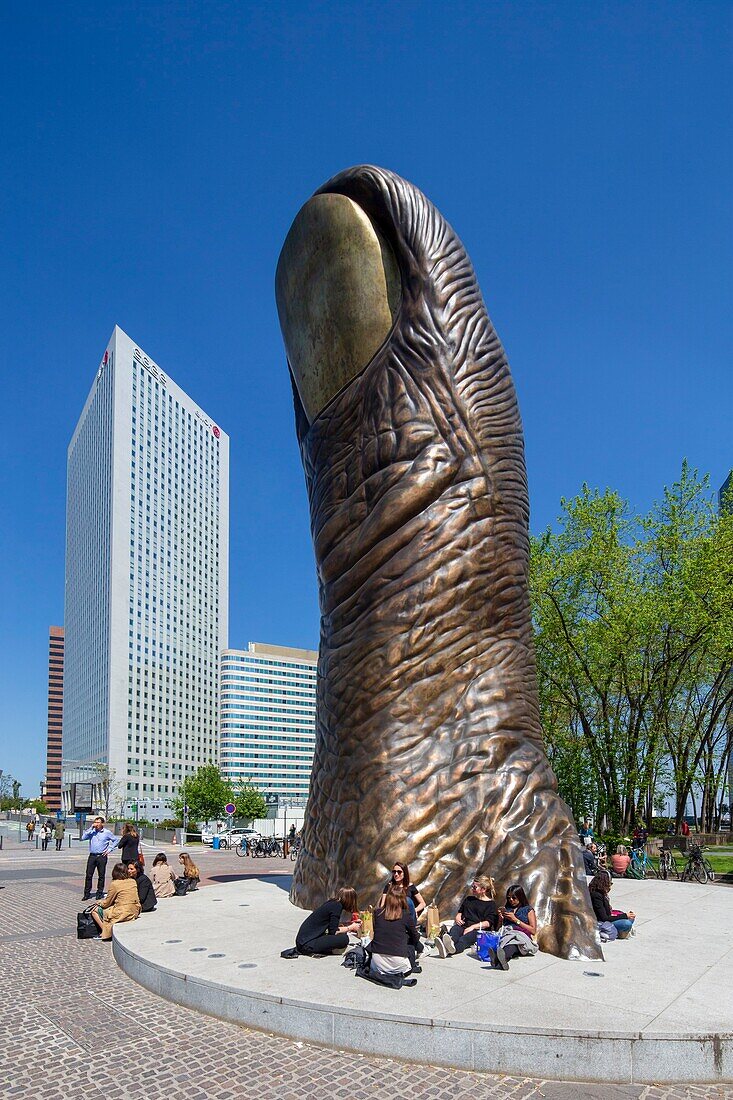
[428, 741]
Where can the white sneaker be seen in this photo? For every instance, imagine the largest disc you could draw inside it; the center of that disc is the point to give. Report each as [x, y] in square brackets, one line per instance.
[448, 944]
[440, 948]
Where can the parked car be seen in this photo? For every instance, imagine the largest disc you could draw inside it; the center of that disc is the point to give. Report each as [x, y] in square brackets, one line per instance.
[225, 836]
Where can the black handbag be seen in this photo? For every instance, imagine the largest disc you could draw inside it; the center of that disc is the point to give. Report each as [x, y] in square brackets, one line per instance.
[181, 887]
[86, 926]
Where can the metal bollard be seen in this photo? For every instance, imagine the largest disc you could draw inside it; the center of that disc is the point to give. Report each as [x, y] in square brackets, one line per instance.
[36, 843]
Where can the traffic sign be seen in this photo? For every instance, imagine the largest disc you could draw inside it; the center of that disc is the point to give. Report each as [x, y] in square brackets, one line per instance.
[230, 808]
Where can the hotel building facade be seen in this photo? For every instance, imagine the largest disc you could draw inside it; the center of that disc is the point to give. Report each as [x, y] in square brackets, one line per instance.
[146, 601]
[267, 724]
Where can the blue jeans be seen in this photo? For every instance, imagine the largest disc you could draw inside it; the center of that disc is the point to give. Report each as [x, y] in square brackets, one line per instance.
[623, 924]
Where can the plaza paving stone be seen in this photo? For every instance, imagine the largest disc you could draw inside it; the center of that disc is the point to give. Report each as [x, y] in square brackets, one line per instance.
[73, 1025]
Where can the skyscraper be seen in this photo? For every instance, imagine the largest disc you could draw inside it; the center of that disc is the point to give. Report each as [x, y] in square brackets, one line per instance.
[146, 610]
[52, 786]
[268, 716]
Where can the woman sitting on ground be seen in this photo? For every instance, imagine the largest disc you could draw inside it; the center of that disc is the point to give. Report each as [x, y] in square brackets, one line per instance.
[145, 891]
[129, 843]
[599, 889]
[396, 939]
[163, 877]
[121, 903]
[620, 861]
[519, 927]
[190, 871]
[476, 913]
[323, 931]
[401, 878]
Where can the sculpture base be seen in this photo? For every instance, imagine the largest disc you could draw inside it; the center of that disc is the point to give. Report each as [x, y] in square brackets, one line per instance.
[655, 1010]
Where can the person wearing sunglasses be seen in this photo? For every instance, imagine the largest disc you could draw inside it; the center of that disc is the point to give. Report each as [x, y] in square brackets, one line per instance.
[401, 877]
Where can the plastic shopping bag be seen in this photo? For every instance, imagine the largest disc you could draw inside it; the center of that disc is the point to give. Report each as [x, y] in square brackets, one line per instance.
[486, 942]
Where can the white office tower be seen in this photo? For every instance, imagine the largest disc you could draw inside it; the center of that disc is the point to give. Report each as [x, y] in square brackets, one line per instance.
[268, 719]
[147, 556]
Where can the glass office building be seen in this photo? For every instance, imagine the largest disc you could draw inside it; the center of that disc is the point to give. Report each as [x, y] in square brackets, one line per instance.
[268, 711]
[147, 550]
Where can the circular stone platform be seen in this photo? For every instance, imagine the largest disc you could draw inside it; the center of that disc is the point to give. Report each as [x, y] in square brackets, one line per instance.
[660, 1008]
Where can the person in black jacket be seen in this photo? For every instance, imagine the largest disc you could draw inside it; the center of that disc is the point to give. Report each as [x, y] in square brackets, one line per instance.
[129, 843]
[323, 931]
[396, 938]
[590, 863]
[476, 913]
[145, 890]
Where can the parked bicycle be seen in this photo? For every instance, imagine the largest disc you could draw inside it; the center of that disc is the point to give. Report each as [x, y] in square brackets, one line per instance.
[267, 846]
[246, 843]
[295, 846]
[697, 866]
[668, 864]
[641, 866]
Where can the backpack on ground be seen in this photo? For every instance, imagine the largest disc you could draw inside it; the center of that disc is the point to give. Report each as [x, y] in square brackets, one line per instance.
[354, 958]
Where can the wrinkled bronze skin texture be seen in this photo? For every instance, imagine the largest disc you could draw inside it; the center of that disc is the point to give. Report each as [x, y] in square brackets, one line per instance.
[429, 747]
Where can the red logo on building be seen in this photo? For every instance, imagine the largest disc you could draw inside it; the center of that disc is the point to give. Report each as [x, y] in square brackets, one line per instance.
[216, 432]
[106, 357]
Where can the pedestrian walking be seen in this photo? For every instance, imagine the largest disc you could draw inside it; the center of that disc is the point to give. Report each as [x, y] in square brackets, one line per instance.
[101, 843]
[30, 828]
[45, 836]
[58, 833]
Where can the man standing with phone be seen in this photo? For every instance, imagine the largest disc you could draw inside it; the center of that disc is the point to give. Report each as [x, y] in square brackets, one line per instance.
[101, 843]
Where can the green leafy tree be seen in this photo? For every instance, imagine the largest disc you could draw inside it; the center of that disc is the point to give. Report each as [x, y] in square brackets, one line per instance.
[38, 805]
[250, 802]
[691, 561]
[9, 793]
[634, 642]
[206, 793]
[586, 606]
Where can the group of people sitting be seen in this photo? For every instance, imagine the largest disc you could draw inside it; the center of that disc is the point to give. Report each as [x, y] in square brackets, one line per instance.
[595, 860]
[132, 892]
[393, 954]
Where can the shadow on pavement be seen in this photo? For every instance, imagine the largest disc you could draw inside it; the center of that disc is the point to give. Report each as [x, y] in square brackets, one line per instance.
[282, 881]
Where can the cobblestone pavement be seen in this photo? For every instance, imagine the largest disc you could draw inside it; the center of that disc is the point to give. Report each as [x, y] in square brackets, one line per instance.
[73, 1025]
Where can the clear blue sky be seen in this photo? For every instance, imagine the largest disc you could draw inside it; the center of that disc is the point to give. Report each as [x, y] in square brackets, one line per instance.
[154, 155]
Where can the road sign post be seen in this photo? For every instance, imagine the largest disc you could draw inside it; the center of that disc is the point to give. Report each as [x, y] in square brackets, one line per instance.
[230, 809]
